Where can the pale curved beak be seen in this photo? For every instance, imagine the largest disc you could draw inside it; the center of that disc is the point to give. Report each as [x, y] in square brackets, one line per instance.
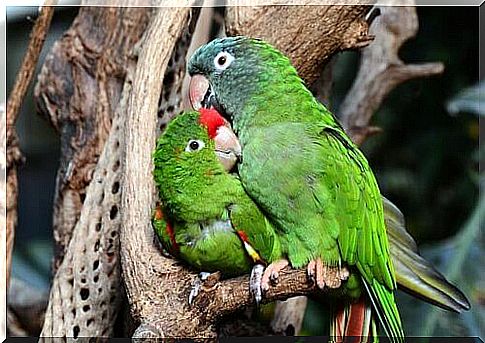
[198, 90]
[227, 147]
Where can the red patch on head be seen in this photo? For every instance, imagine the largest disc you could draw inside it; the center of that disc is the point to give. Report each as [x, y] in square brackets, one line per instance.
[212, 120]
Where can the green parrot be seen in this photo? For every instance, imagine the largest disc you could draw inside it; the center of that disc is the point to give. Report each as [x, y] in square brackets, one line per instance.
[205, 217]
[310, 180]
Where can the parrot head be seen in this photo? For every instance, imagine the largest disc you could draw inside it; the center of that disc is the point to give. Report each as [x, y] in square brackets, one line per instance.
[190, 140]
[228, 71]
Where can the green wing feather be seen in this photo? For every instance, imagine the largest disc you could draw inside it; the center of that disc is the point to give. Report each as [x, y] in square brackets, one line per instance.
[362, 238]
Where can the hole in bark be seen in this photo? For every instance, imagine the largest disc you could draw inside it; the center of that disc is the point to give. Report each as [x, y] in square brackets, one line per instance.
[96, 246]
[98, 226]
[115, 188]
[90, 321]
[83, 280]
[75, 331]
[84, 293]
[73, 313]
[116, 166]
[113, 212]
[100, 290]
[95, 264]
[82, 197]
[101, 198]
[290, 330]
[117, 144]
[170, 109]
[86, 308]
[71, 282]
[113, 234]
[96, 278]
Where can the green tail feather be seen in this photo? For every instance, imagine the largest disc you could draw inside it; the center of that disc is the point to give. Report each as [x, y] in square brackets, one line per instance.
[386, 309]
[414, 274]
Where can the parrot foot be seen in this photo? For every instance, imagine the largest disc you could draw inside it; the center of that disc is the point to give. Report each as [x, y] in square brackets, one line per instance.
[271, 273]
[199, 283]
[255, 282]
[324, 275]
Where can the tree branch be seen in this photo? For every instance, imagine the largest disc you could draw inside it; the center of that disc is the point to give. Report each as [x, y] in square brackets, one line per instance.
[85, 294]
[308, 37]
[14, 156]
[78, 91]
[381, 69]
[152, 282]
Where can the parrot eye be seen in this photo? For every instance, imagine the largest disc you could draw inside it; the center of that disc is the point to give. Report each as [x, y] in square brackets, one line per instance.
[223, 60]
[194, 145]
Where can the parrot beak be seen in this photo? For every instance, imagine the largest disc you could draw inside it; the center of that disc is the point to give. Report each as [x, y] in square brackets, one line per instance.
[199, 92]
[227, 147]
[201, 95]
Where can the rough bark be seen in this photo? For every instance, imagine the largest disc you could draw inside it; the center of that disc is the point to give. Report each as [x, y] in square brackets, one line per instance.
[309, 37]
[78, 90]
[154, 283]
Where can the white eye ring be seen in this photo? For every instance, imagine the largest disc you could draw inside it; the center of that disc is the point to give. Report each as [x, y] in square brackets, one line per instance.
[194, 145]
[223, 60]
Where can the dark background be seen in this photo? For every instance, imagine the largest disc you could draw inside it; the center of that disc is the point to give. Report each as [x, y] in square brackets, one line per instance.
[426, 161]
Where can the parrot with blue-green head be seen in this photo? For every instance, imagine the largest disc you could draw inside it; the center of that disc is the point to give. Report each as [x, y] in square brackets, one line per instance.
[315, 187]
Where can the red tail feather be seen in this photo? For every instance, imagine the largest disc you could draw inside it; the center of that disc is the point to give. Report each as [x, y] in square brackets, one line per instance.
[352, 322]
[355, 323]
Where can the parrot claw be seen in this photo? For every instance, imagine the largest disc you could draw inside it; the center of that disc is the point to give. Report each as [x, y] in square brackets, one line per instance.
[324, 275]
[255, 283]
[271, 273]
[194, 292]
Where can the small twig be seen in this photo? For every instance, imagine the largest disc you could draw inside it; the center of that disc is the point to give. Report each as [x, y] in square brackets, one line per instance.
[17, 95]
[26, 72]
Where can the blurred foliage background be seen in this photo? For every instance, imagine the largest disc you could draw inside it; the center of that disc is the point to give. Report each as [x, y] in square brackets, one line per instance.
[426, 161]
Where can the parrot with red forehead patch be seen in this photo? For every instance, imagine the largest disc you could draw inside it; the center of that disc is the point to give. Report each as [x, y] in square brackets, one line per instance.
[205, 217]
[314, 185]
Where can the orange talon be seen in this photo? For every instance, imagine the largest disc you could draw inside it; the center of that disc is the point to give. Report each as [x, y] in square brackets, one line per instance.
[271, 273]
[324, 275]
